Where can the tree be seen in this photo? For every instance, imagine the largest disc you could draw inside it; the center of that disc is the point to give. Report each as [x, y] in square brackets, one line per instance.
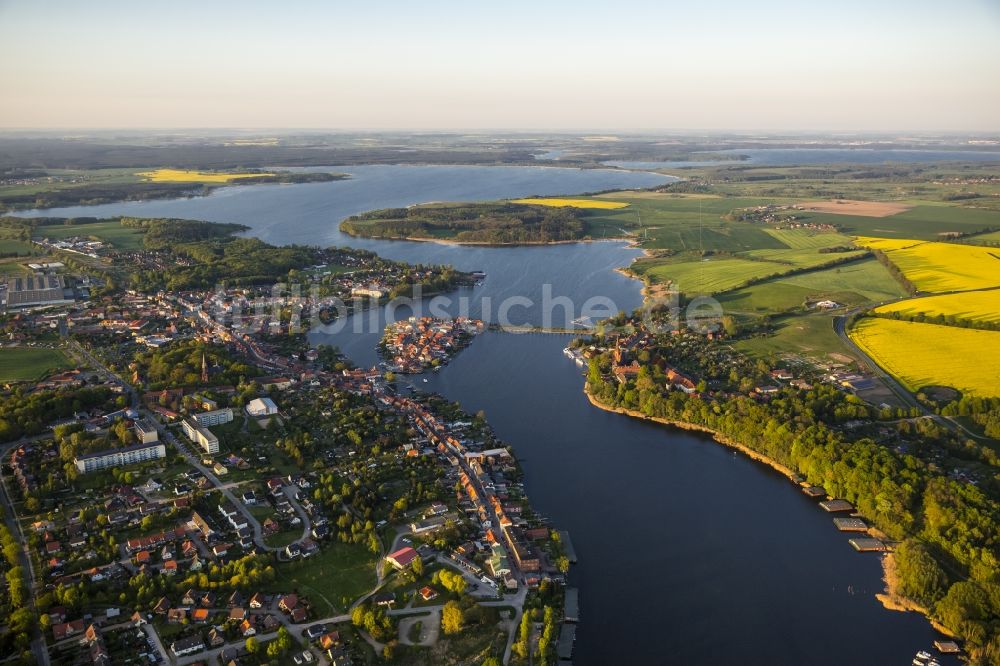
[418, 567]
[252, 645]
[920, 576]
[452, 618]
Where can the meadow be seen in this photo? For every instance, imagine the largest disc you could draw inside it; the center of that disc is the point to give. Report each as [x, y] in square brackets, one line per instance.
[926, 221]
[111, 231]
[937, 267]
[188, 176]
[851, 284]
[922, 355]
[978, 306]
[25, 364]
[573, 203]
[788, 250]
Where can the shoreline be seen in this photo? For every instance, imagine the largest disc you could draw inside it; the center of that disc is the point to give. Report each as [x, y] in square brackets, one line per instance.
[447, 241]
[890, 598]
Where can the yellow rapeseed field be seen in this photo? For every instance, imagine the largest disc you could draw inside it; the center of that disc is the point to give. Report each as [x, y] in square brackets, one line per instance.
[184, 176]
[935, 267]
[970, 305]
[922, 355]
[575, 203]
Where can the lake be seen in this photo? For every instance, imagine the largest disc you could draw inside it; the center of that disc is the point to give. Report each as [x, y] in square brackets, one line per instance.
[688, 553]
[795, 156]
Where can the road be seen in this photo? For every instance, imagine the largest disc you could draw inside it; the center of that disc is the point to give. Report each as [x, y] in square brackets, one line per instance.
[840, 328]
[258, 532]
[38, 647]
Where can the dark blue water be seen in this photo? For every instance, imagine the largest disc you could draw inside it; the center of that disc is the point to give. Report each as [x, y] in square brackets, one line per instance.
[796, 156]
[689, 554]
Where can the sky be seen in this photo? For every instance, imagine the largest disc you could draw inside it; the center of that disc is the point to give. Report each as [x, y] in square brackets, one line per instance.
[875, 65]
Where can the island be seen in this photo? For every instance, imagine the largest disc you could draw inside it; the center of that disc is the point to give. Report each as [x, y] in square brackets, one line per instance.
[417, 344]
[499, 223]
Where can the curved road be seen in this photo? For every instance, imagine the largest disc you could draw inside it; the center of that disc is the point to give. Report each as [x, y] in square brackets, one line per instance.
[840, 327]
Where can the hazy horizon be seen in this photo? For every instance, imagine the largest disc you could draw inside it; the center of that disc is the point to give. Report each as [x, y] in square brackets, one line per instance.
[630, 67]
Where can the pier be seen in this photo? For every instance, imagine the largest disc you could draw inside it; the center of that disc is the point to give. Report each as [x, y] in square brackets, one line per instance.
[571, 605]
[567, 637]
[836, 505]
[867, 545]
[814, 491]
[850, 524]
[567, 546]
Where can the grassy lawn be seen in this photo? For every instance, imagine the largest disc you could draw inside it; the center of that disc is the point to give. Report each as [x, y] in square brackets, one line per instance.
[21, 364]
[331, 579]
[15, 265]
[808, 335]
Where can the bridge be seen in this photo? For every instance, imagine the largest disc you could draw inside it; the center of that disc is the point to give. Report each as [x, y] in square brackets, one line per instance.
[544, 330]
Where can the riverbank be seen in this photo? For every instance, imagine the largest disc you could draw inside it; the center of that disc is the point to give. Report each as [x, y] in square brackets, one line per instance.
[891, 598]
[684, 425]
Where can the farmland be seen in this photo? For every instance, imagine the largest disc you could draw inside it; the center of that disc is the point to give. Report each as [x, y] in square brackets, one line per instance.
[21, 364]
[797, 249]
[977, 306]
[573, 203]
[937, 267]
[188, 176]
[922, 355]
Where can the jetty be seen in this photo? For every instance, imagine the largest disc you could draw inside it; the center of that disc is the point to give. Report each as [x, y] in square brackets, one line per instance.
[850, 524]
[947, 647]
[571, 605]
[868, 545]
[567, 637]
[836, 505]
[814, 491]
[567, 546]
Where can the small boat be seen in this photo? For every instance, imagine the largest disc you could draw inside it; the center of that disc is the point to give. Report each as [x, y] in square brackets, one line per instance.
[923, 654]
[425, 380]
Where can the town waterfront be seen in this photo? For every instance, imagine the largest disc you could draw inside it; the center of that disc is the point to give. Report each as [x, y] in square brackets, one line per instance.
[689, 553]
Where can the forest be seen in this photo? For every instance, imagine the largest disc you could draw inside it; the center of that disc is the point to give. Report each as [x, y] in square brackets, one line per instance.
[486, 223]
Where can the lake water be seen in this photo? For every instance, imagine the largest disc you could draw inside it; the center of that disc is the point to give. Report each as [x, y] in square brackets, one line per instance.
[688, 553]
[795, 156]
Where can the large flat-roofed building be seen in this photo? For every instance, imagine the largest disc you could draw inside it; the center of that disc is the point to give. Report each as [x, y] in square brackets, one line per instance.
[200, 436]
[146, 432]
[129, 455]
[261, 407]
[214, 417]
[25, 291]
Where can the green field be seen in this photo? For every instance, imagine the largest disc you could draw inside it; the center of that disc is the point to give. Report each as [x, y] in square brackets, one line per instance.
[124, 238]
[25, 364]
[852, 284]
[62, 179]
[682, 223]
[925, 221]
[716, 274]
[331, 579]
[809, 335]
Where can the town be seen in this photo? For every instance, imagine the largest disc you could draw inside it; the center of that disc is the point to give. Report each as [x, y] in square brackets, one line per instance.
[416, 344]
[186, 479]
